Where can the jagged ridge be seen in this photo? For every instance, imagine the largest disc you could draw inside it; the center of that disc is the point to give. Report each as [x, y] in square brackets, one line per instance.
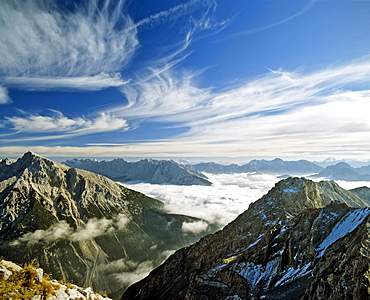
[280, 248]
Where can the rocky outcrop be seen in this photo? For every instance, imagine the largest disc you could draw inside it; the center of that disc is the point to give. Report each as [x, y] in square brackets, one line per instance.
[146, 170]
[30, 283]
[83, 227]
[302, 240]
[275, 166]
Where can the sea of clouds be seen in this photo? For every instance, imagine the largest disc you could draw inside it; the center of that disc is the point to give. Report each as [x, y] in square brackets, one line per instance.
[221, 203]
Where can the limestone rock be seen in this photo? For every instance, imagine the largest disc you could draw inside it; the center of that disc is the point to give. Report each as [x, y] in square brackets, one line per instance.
[29, 283]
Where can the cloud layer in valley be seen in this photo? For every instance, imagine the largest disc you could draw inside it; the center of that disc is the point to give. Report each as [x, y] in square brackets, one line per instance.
[63, 231]
[229, 196]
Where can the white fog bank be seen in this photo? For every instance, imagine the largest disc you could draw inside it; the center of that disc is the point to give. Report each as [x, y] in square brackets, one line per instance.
[221, 203]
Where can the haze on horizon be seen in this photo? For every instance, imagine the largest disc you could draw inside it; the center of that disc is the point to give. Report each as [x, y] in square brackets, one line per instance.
[185, 79]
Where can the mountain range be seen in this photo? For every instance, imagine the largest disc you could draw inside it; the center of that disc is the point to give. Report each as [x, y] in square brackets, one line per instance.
[343, 171]
[275, 166]
[146, 170]
[83, 227]
[302, 240]
[170, 172]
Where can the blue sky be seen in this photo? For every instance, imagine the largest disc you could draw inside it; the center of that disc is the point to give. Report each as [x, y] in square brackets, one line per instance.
[200, 79]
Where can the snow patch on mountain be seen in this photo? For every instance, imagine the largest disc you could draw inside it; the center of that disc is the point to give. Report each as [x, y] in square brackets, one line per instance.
[348, 223]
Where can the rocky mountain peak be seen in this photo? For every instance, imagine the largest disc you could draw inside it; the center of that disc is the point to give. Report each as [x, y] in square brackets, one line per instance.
[277, 249]
[81, 226]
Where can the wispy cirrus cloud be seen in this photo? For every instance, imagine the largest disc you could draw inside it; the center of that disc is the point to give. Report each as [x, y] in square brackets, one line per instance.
[278, 112]
[175, 12]
[175, 97]
[58, 123]
[48, 43]
[305, 8]
[87, 83]
[4, 97]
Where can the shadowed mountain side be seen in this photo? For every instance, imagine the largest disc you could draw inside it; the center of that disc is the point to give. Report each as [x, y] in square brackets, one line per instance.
[279, 248]
[83, 227]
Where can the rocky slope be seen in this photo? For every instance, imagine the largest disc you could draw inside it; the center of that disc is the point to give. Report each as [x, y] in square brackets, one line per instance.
[83, 227]
[302, 240]
[146, 170]
[275, 166]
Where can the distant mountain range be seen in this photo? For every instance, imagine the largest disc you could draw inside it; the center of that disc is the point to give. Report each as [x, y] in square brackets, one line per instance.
[302, 240]
[170, 172]
[276, 166]
[83, 227]
[146, 170]
[343, 171]
[339, 171]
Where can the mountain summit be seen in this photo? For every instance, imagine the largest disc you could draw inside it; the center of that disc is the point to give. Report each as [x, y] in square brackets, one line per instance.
[302, 240]
[83, 227]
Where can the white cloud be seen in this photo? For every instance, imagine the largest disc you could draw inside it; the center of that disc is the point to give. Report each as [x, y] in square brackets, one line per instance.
[60, 123]
[134, 272]
[229, 196]
[4, 97]
[58, 231]
[259, 29]
[43, 43]
[194, 227]
[92, 229]
[63, 231]
[128, 272]
[122, 221]
[47, 45]
[175, 12]
[278, 114]
[91, 83]
[162, 97]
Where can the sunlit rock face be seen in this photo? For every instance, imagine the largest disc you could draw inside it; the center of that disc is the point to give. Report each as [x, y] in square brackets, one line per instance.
[83, 227]
[302, 240]
[146, 170]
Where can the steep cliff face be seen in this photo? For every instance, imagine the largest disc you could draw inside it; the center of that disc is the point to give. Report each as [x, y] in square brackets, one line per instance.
[302, 240]
[83, 227]
[147, 170]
